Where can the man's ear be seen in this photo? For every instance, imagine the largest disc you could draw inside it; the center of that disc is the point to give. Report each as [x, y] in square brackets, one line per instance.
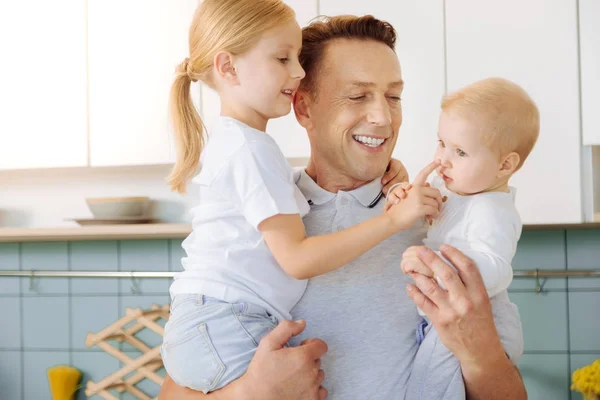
[302, 108]
[509, 165]
[224, 68]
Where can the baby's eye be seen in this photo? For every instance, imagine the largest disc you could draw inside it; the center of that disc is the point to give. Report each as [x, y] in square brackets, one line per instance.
[461, 153]
[441, 143]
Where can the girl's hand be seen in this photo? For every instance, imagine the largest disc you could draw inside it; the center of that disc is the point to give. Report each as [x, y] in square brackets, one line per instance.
[421, 201]
[395, 173]
[396, 193]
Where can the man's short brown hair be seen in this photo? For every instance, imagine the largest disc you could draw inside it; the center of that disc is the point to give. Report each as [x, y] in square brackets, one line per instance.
[319, 33]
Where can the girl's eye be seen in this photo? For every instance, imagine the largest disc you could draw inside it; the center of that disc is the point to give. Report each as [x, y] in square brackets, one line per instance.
[283, 60]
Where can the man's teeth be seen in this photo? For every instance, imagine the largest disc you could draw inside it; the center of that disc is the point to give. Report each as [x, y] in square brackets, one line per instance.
[287, 91]
[369, 141]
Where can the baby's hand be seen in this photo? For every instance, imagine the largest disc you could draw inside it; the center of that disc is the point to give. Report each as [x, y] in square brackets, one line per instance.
[411, 263]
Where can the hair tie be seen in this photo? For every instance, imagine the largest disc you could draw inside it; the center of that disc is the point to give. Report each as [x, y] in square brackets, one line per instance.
[187, 67]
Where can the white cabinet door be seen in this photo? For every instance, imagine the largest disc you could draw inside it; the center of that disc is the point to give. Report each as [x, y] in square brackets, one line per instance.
[533, 43]
[134, 47]
[589, 37]
[286, 131]
[420, 48]
[43, 122]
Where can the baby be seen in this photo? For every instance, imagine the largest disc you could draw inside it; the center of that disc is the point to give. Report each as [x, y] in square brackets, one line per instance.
[486, 131]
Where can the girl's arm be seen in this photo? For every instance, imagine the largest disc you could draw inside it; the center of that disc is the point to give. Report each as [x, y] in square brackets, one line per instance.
[305, 257]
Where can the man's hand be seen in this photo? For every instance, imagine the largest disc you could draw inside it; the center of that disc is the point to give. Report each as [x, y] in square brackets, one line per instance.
[395, 173]
[276, 372]
[287, 373]
[462, 315]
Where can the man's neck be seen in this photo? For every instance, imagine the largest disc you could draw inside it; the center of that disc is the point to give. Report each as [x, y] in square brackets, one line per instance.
[332, 179]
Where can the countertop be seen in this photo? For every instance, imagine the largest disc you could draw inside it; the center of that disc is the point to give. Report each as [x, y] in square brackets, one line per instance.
[96, 232]
[168, 231]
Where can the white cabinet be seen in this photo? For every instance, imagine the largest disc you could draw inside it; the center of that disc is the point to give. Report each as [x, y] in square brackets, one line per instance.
[133, 48]
[533, 43]
[420, 48]
[42, 79]
[286, 131]
[589, 42]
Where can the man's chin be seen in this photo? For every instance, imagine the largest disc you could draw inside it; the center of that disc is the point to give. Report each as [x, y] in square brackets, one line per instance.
[368, 172]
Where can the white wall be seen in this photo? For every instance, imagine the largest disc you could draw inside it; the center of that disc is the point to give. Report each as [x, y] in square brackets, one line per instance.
[434, 53]
[596, 177]
[44, 198]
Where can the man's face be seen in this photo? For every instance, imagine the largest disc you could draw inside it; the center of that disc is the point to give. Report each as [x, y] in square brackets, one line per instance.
[356, 113]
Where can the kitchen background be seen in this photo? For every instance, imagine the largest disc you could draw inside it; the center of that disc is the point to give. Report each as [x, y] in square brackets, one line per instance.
[84, 86]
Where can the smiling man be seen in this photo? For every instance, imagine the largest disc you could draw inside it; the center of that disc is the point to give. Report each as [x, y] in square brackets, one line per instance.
[349, 103]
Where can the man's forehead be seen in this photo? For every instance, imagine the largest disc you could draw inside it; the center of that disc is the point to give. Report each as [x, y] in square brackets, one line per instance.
[399, 84]
[363, 63]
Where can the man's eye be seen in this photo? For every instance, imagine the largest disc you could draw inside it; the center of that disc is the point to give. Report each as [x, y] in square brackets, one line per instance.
[395, 99]
[357, 97]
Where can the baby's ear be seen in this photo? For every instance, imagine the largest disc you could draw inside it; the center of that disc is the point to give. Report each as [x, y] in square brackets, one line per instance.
[509, 165]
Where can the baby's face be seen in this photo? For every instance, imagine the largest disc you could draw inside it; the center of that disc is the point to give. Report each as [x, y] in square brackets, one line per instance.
[466, 165]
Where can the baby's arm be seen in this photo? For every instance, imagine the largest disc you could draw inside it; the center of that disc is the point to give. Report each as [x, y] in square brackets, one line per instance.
[492, 232]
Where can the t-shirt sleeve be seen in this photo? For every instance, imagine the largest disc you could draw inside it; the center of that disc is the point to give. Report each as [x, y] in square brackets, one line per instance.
[258, 179]
[508, 325]
[492, 233]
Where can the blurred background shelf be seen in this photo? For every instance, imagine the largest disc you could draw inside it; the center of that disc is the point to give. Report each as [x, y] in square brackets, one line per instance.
[97, 232]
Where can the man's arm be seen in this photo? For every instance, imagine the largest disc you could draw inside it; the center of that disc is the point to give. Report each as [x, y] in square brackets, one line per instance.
[462, 315]
[275, 372]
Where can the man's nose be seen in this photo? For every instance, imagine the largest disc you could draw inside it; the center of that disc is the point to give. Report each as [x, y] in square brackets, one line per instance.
[379, 112]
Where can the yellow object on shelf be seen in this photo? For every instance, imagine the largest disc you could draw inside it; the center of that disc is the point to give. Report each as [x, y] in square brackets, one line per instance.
[64, 382]
[586, 380]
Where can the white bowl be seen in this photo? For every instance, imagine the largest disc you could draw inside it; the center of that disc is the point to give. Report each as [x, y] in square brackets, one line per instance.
[112, 207]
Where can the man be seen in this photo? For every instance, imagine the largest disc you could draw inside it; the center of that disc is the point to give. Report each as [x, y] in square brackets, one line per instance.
[349, 104]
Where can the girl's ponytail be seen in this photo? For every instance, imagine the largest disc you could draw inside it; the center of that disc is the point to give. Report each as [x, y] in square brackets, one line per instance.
[188, 129]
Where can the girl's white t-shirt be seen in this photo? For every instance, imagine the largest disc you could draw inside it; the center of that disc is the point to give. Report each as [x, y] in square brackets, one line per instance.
[244, 179]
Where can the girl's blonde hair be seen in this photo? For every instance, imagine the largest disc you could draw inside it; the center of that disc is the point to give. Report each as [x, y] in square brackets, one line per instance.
[234, 26]
[509, 118]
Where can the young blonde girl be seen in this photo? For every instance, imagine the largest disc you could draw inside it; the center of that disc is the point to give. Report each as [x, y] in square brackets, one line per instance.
[248, 256]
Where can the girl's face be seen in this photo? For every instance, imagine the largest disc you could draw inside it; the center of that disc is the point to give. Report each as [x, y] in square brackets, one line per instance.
[269, 74]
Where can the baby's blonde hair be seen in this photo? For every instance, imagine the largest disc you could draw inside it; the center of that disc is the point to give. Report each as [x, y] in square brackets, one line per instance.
[509, 119]
[234, 26]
